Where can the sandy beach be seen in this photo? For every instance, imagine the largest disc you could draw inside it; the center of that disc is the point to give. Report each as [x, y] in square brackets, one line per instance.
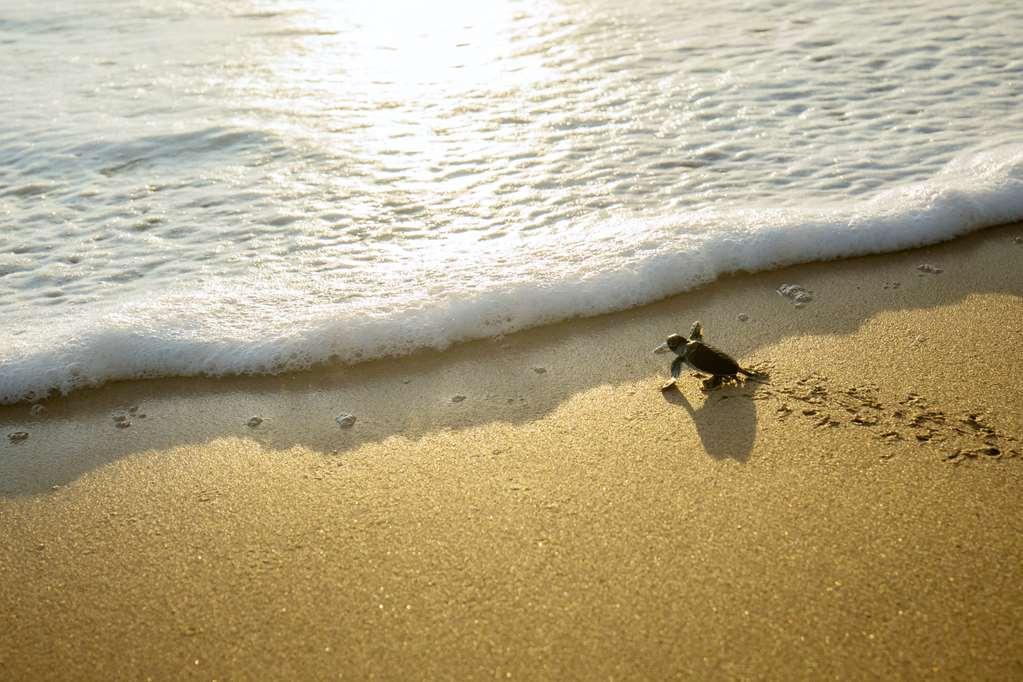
[535, 507]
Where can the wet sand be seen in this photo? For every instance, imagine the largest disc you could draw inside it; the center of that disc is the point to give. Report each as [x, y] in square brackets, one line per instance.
[534, 506]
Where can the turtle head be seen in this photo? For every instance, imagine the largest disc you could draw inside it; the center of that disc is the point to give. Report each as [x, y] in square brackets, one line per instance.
[675, 343]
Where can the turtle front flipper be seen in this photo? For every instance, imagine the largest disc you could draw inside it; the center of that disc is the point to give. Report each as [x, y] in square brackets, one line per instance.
[676, 372]
[696, 331]
[676, 367]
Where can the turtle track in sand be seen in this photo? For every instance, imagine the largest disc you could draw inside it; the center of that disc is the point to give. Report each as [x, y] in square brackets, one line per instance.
[824, 403]
[958, 437]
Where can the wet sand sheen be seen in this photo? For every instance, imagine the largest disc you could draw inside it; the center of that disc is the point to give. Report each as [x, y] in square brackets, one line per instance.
[859, 514]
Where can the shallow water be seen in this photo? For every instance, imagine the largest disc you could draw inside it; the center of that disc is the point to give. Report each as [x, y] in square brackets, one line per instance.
[217, 187]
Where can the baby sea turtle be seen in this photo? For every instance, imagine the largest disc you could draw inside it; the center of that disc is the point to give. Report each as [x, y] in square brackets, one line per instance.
[700, 356]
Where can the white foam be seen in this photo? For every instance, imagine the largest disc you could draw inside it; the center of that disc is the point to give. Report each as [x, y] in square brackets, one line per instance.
[472, 289]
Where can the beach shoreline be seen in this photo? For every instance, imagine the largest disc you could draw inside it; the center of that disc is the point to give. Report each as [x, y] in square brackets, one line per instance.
[533, 505]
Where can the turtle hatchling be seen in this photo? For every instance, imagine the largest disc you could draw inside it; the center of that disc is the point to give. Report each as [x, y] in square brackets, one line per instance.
[702, 357]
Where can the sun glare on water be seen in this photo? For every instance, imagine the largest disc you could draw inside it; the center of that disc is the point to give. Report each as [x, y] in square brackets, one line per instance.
[405, 47]
[401, 52]
[411, 90]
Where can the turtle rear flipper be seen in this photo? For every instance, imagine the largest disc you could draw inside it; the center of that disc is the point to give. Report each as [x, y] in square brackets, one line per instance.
[753, 375]
[712, 383]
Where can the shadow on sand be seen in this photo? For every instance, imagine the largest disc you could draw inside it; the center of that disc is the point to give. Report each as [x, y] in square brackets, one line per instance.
[517, 379]
[726, 420]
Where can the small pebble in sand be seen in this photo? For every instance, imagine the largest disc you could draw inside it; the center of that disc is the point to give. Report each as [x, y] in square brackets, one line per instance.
[37, 411]
[17, 436]
[795, 293]
[254, 421]
[540, 370]
[133, 409]
[929, 269]
[406, 381]
[743, 317]
[457, 398]
[122, 424]
[1018, 240]
[120, 419]
[345, 421]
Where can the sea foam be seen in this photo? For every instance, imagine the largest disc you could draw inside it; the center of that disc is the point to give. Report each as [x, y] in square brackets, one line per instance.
[469, 289]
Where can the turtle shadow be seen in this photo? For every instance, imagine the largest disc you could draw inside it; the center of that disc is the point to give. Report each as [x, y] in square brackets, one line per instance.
[726, 421]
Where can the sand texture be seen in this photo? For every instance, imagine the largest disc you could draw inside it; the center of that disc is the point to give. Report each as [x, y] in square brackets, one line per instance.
[533, 506]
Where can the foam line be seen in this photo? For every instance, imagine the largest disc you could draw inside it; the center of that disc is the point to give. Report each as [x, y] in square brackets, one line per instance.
[478, 289]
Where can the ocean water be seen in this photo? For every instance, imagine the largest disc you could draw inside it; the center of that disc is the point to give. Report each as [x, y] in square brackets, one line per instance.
[254, 186]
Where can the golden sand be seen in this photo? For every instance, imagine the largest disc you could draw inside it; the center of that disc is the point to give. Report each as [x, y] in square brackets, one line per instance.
[859, 516]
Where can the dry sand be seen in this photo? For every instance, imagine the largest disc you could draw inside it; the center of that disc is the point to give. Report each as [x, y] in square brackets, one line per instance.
[859, 516]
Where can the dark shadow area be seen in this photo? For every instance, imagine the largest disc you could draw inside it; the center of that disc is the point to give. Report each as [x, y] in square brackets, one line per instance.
[522, 376]
[725, 419]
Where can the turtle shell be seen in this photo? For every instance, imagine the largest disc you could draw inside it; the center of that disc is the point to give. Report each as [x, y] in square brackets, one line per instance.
[710, 359]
